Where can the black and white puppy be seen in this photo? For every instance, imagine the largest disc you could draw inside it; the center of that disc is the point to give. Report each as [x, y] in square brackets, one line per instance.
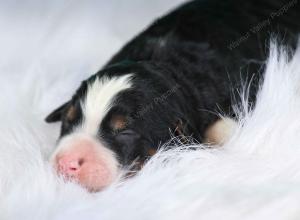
[171, 79]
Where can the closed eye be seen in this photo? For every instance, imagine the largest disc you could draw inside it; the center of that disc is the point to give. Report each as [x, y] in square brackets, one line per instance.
[128, 132]
[127, 136]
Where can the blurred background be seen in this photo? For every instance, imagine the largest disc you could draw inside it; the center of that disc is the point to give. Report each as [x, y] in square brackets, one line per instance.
[52, 45]
[65, 35]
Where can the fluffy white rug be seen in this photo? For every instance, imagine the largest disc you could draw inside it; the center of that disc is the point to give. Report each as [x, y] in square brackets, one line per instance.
[47, 50]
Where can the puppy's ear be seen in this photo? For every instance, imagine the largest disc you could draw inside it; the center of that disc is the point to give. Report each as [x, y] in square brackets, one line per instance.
[56, 114]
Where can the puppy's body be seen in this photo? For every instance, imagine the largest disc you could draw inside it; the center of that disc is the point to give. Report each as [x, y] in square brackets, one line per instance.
[172, 78]
[206, 48]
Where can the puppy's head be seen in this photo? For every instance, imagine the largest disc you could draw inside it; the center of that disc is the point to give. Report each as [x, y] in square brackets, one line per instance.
[110, 122]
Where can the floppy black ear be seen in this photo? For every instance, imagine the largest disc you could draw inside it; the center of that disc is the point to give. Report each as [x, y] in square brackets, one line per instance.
[56, 114]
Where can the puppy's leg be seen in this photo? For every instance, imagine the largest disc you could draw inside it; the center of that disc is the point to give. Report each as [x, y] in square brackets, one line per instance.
[220, 131]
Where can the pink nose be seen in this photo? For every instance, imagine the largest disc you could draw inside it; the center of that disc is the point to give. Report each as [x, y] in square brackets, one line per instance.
[87, 164]
[70, 167]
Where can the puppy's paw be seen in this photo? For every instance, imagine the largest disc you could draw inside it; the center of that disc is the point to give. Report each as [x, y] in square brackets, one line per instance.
[220, 131]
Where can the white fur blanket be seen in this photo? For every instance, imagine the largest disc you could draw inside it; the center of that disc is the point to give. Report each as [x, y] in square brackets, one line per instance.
[45, 53]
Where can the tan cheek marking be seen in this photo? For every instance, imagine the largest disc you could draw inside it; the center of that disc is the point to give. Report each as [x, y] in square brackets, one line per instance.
[151, 152]
[71, 113]
[118, 122]
[219, 132]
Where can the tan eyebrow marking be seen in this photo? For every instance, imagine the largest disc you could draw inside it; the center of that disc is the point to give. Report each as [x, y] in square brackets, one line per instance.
[151, 151]
[118, 122]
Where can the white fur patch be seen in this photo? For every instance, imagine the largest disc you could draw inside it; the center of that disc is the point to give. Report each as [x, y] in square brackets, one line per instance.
[99, 97]
[219, 132]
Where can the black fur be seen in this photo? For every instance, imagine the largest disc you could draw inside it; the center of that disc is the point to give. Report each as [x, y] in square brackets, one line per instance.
[187, 66]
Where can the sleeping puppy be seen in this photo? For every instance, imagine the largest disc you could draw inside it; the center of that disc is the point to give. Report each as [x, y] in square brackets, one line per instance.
[172, 79]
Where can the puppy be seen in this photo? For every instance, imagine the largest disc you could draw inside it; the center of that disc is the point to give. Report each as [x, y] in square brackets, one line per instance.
[171, 79]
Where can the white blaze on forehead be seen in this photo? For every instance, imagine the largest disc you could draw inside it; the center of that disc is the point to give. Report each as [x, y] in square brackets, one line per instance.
[99, 97]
